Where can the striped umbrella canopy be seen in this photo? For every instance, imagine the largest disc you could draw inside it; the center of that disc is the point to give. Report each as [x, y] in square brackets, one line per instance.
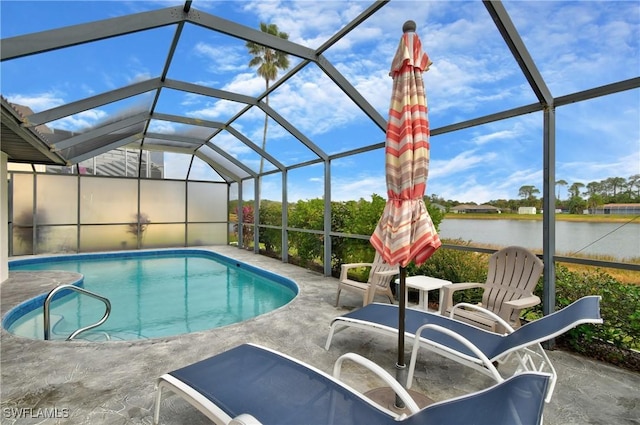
[405, 231]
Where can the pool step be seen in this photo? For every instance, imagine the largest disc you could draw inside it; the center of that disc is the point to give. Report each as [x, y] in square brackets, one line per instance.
[97, 335]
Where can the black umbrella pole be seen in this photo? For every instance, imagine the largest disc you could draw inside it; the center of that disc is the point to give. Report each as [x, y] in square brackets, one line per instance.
[400, 365]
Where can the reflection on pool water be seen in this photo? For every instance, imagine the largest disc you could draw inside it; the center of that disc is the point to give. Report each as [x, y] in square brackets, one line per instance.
[152, 293]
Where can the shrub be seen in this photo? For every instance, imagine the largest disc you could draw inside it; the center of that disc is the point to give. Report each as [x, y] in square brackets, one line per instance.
[618, 308]
[615, 341]
[455, 266]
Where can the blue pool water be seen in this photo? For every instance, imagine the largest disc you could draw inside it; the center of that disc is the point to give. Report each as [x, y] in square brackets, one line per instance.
[152, 293]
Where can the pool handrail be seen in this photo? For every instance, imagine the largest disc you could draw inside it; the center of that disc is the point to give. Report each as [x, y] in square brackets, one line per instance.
[47, 310]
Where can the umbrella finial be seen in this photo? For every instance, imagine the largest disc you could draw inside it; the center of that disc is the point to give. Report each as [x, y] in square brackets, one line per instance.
[409, 26]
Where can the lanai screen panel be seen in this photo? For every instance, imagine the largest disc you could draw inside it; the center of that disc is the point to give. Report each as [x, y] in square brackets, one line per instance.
[473, 72]
[68, 13]
[206, 202]
[187, 136]
[108, 237]
[169, 145]
[219, 61]
[240, 148]
[100, 142]
[318, 108]
[206, 214]
[618, 139]
[271, 186]
[581, 45]
[201, 234]
[179, 166]
[58, 239]
[73, 73]
[23, 197]
[507, 152]
[57, 199]
[200, 170]
[163, 201]
[280, 143]
[227, 165]
[306, 183]
[197, 106]
[351, 181]
[108, 200]
[176, 165]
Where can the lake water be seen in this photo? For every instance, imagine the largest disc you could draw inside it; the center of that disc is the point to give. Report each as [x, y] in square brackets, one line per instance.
[618, 240]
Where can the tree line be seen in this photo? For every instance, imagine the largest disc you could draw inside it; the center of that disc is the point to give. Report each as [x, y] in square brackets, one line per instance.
[577, 196]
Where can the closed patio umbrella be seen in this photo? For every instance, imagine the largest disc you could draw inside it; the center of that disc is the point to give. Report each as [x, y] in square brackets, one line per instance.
[405, 231]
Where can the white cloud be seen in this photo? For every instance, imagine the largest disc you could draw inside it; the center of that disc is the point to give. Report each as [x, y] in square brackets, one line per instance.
[215, 110]
[248, 83]
[159, 126]
[461, 163]
[81, 121]
[307, 23]
[223, 58]
[498, 135]
[230, 144]
[37, 102]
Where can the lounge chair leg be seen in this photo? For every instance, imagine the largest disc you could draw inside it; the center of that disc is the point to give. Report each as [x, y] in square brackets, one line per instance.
[156, 408]
[338, 297]
[329, 338]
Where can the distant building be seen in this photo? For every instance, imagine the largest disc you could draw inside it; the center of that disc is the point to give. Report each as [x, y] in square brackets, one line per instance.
[485, 209]
[526, 210]
[620, 209]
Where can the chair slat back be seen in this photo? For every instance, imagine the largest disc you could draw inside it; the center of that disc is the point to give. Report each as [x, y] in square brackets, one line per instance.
[379, 265]
[513, 274]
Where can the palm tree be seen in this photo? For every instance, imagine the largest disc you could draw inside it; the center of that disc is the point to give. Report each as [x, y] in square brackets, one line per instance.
[269, 62]
[561, 183]
[574, 189]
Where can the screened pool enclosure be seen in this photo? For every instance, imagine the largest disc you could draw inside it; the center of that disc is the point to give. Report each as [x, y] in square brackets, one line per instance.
[142, 125]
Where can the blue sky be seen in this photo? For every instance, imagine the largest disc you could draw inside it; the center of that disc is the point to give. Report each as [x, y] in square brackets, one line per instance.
[576, 46]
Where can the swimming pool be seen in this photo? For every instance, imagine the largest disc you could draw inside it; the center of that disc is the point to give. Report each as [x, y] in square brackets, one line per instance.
[152, 293]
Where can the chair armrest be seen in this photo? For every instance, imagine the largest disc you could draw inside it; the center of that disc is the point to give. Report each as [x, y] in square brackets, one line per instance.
[456, 336]
[448, 290]
[344, 268]
[462, 285]
[382, 374]
[484, 311]
[523, 302]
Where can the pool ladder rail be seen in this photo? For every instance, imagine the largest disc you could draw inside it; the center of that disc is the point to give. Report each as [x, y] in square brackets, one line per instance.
[47, 310]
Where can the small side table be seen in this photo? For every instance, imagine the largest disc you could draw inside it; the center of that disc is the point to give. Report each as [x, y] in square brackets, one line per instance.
[424, 284]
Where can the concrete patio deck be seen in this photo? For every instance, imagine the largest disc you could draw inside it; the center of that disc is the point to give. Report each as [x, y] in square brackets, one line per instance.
[113, 383]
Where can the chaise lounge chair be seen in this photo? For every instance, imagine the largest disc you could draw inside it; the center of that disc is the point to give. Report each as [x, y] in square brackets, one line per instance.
[253, 385]
[470, 345]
